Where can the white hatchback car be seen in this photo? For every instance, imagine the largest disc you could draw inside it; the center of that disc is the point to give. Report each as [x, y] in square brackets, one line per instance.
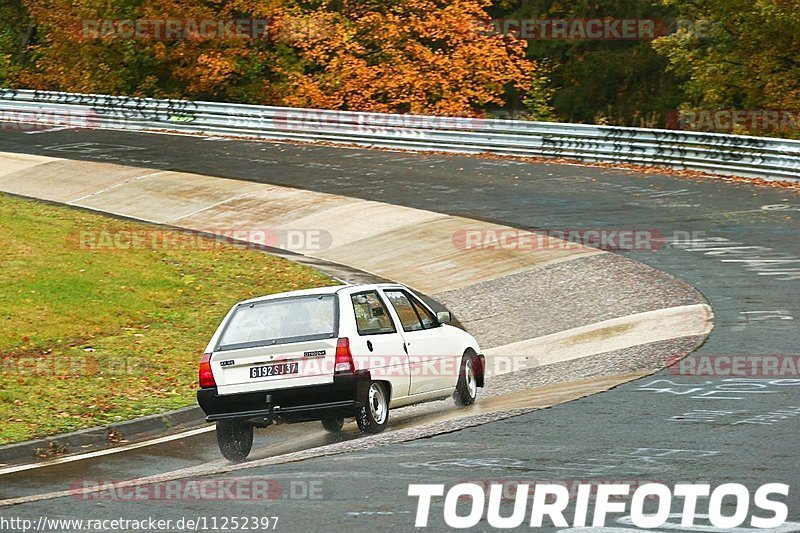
[328, 354]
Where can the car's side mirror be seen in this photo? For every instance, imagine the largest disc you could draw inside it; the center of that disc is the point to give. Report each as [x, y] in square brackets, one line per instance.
[444, 317]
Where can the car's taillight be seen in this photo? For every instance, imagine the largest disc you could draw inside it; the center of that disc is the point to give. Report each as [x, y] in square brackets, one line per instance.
[206, 376]
[344, 359]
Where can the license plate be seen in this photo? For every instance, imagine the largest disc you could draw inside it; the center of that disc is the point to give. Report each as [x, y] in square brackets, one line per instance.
[278, 369]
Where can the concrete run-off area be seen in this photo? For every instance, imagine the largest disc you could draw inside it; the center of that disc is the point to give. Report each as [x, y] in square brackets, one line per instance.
[527, 307]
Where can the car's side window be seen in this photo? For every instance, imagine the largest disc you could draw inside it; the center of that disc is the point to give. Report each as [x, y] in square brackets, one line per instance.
[428, 318]
[405, 310]
[372, 317]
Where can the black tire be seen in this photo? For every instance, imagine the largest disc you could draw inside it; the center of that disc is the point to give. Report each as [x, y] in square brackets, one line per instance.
[467, 387]
[333, 424]
[374, 416]
[235, 439]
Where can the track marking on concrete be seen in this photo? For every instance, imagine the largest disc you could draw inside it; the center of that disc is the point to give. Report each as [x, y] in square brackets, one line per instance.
[60, 128]
[100, 453]
[200, 210]
[114, 186]
[601, 337]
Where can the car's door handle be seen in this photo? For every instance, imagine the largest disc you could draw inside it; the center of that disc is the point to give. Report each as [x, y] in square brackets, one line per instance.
[405, 348]
[369, 345]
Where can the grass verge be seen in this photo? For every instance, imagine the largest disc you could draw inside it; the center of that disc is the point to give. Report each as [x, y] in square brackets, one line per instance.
[95, 336]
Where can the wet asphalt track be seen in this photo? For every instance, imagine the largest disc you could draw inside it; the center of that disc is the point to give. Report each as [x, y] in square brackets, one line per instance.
[665, 428]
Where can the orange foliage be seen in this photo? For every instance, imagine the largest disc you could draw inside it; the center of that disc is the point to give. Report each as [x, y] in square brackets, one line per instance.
[418, 56]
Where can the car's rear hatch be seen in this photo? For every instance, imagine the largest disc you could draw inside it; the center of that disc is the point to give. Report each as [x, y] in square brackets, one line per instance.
[277, 343]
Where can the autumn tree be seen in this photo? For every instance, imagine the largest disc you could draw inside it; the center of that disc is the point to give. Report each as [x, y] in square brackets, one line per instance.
[421, 56]
[418, 56]
[66, 58]
[425, 56]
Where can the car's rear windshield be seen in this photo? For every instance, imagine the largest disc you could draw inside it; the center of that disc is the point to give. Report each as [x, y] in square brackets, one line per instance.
[292, 319]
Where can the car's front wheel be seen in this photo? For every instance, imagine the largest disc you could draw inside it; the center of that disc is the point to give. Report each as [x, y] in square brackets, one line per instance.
[467, 386]
[235, 439]
[333, 424]
[374, 415]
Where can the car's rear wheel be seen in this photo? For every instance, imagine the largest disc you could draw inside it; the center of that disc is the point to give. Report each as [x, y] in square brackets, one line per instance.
[467, 386]
[235, 439]
[333, 424]
[373, 417]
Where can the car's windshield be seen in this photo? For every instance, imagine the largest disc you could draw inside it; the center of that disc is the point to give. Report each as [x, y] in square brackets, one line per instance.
[279, 321]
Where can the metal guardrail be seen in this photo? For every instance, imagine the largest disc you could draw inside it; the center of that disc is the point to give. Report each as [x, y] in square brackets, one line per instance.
[735, 155]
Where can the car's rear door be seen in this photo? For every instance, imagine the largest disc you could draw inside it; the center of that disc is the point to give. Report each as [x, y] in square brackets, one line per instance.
[377, 344]
[277, 343]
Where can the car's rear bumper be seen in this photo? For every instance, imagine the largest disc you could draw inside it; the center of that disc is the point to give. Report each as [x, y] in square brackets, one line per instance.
[297, 404]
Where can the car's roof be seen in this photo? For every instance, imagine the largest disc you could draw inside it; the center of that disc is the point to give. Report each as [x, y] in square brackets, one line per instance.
[331, 289]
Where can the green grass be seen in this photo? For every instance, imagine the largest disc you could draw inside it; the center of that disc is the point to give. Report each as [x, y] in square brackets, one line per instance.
[90, 337]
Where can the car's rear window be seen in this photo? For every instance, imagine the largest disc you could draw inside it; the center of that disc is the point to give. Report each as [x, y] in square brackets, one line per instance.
[292, 319]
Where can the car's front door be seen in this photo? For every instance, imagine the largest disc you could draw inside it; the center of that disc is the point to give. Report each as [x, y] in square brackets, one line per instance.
[433, 365]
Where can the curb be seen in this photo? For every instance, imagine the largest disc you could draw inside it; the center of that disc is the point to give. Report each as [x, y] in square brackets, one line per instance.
[102, 435]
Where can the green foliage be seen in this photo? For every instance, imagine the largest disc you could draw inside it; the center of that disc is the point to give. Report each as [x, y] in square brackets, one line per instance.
[538, 98]
[15, 34]
[603, 81]
[750, 58]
